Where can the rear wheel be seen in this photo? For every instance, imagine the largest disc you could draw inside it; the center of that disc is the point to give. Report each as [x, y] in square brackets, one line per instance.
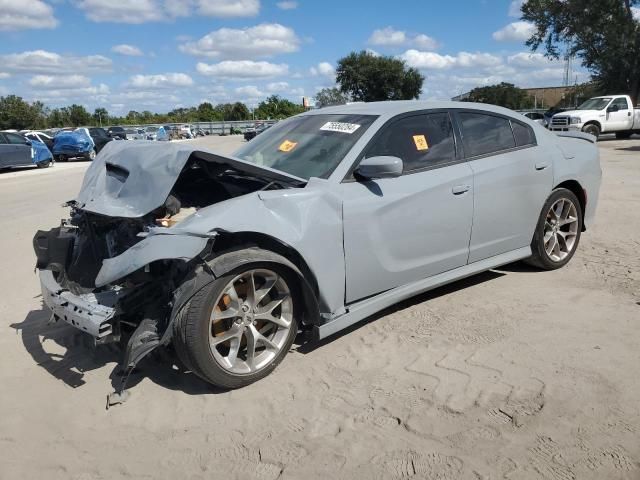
[557, 232]
[62, 158]
[592, 129]
[237, 329]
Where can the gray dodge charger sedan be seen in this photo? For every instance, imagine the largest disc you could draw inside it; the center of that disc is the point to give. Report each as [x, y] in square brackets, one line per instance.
[316, 224]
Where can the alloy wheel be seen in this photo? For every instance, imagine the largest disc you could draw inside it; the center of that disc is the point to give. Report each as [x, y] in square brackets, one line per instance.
[251, 321]
[561, 229]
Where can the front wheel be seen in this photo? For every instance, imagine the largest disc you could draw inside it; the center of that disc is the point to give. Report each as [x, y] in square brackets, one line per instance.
[45, 164]
[91, 155]
[557, 232]
[237, 329]
[592, 129]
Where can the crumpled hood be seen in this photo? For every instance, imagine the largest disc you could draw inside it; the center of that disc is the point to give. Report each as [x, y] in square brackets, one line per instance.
[131, 179]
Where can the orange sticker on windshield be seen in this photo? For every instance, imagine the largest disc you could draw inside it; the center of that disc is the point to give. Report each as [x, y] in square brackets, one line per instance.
[421, 142]
[287, 146]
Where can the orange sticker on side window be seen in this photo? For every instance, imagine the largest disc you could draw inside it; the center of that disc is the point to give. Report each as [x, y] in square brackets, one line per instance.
[287, 146]
[421, 142]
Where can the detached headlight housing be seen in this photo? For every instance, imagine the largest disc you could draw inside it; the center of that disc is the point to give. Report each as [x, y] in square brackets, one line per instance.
[575, 120]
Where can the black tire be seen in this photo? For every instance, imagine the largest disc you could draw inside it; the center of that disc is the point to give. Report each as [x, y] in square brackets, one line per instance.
[623, 135]
[45, 164]
[90, 155]
[192, 326]
[62, 158]
[592, 129]
[539, 257]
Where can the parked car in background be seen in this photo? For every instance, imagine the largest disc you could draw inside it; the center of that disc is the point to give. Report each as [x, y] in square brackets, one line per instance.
[151, 132]
[537, 117]
[73, 144]
[16, 150]
[100, 137]
[316, 224]
[185, 131]
[162, 135]
[257, 129]
[135, 134]
[117, 132]
[607, 114]
[41, 137]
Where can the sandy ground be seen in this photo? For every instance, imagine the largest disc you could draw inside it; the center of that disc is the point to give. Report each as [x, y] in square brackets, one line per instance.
[511, 374]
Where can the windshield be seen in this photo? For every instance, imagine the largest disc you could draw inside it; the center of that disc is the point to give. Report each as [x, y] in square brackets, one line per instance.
[595, 104]
[307, 146]
[152, 129]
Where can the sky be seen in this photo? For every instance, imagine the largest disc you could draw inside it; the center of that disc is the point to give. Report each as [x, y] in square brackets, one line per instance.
[162, 54]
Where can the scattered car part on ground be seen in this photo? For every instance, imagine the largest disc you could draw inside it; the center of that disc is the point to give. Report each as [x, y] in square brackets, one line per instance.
[16, 150]
[607, 114]
[117, 132]
[314, 226]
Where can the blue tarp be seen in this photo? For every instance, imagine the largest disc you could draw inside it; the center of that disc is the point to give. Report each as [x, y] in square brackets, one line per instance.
[162, 135]
[40, 152]
[76, 142]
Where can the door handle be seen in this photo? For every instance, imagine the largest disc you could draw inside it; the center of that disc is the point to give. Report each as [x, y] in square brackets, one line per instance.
[460, 189]
[542, 165]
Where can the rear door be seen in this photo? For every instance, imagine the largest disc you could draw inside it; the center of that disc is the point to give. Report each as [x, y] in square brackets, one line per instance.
[403, 229]
[7, 152]
[20, 150]
[511, 182]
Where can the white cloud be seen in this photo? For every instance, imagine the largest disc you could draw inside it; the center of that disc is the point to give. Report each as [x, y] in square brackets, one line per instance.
[466, 59]
[277, 87]
[242, 69]
[250, 91]
[526, 59]
[263, 40]
[16, 15]
[324, 69]
[427, 60]
[635, 11]
[164, 80]
[514, 8]
[515, 32]
[142, 11]
[287, 5]
[44, 62]
[390, 37]
[4, 75]
[128, 50]
[60, 82]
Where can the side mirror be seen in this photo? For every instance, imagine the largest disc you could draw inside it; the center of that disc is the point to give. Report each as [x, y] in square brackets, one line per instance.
[613, 108]
[379, 167]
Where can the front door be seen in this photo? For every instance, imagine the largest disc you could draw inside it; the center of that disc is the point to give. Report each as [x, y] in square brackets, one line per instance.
[399, 230]
[622, 118]
[18, 150]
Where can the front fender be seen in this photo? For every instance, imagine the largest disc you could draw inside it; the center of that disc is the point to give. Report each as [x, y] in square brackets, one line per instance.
[309, 220]
[152, 248]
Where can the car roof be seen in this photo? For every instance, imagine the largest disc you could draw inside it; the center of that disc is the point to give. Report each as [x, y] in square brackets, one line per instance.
[392, 108]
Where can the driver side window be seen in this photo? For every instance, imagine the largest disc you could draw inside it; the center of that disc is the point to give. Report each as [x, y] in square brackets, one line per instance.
[421, 141]
[621, 103]
[15, 139]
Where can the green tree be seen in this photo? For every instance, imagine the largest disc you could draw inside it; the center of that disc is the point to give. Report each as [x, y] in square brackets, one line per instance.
[78, 115]
[206, 113]
[16, 113]
[330, 96]
[503, 94]
[276, 107]
[100, 116]
[603, 33]
[368, 78]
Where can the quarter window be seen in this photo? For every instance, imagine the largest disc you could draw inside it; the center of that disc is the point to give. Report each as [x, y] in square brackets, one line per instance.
[523, 133]
[421, 141]
[483, 134]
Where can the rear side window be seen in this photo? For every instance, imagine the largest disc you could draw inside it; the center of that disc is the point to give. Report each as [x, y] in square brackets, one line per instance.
[483, 134]
[523, 133]
[421, 141]
[15, 139]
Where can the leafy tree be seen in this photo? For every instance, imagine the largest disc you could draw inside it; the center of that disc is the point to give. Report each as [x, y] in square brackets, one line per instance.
[276, 107]
[78, 115]
[100, 116]
[367, 77]
[16, 113]
[503, 94]
[603, 33]
[330, 96]
[206, 113]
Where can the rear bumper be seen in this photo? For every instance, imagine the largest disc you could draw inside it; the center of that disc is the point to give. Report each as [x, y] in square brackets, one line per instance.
[91, 313]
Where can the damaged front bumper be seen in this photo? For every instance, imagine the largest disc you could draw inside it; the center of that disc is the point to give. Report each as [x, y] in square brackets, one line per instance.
[92, 313]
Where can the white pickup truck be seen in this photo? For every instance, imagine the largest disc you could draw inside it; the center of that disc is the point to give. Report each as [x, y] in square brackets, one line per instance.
[608, 114]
